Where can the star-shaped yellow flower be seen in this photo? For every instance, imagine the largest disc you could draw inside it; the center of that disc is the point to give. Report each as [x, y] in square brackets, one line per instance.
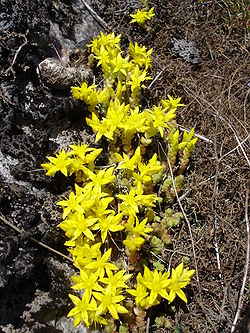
[110, 301]
[59, 163]
[82, 309]
[179, 279]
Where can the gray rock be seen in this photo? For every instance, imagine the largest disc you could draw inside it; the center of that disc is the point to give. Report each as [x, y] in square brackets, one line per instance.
[186, 50]
[6, 161]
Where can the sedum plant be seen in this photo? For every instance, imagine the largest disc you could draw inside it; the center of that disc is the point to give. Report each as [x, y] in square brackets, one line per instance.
[142, 16]
[112, 214]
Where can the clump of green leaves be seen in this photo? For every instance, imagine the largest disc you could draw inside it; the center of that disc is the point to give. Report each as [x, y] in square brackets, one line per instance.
[112, 213]
[162, 322]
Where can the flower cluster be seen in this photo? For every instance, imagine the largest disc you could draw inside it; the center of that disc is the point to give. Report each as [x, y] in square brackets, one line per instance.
[142, 16]
[112, 210]
[102, 290]
[152, 286]
[119, 99]
[74, 161]
[88, 220]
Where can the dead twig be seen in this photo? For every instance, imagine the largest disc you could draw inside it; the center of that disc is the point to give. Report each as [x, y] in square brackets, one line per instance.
[199, 136]
[20, 231]
[244, 107]
[148, 323]
[102, 23]
[214, 201]
[156, 78]
[240, 145]
[230, 85]
[223, 118]
[187, 221]
[240, 302]
[16, 54]
[235, 148]
[228, 283]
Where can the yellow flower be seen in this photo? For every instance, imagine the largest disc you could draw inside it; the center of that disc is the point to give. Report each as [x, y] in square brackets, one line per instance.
[101, 127]
[160, 119]
[133, 199]
[116, 113]
[137, 77]
[129, 204]
[100, 208]
[59, 163]
[107, 224]
[140, 228]
[79, 150]
[100, 178]
[77, 224]
[72, 204]
[179, 279]
[140, 294]
[120, 89]
[140, 55]
[77, 167]
[103, 96]
[133, 243]
[86, 281]
[120, 65]
[81, 310]
[85, 93]
[95, 317]
[110, 301]
[129, 225]
[147, 170]
[83, 253]
[128, 163]
[157, 282]
[142, 16]
[135, 122]
[82, 155]
[171, 103]
[109, 42]
[101, 264]
[187, 144]
[116, 280]
[90, 158]
[173, 144]
[103, 57]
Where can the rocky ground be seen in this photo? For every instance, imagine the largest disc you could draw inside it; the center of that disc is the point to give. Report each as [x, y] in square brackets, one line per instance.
[199, 56]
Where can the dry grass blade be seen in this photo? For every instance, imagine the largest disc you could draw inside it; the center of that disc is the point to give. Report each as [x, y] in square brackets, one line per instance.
[240, 302]
[148, 323]
[223, 118]
[235, 148]
[199, 136]
[156, 78]
[214, 205]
